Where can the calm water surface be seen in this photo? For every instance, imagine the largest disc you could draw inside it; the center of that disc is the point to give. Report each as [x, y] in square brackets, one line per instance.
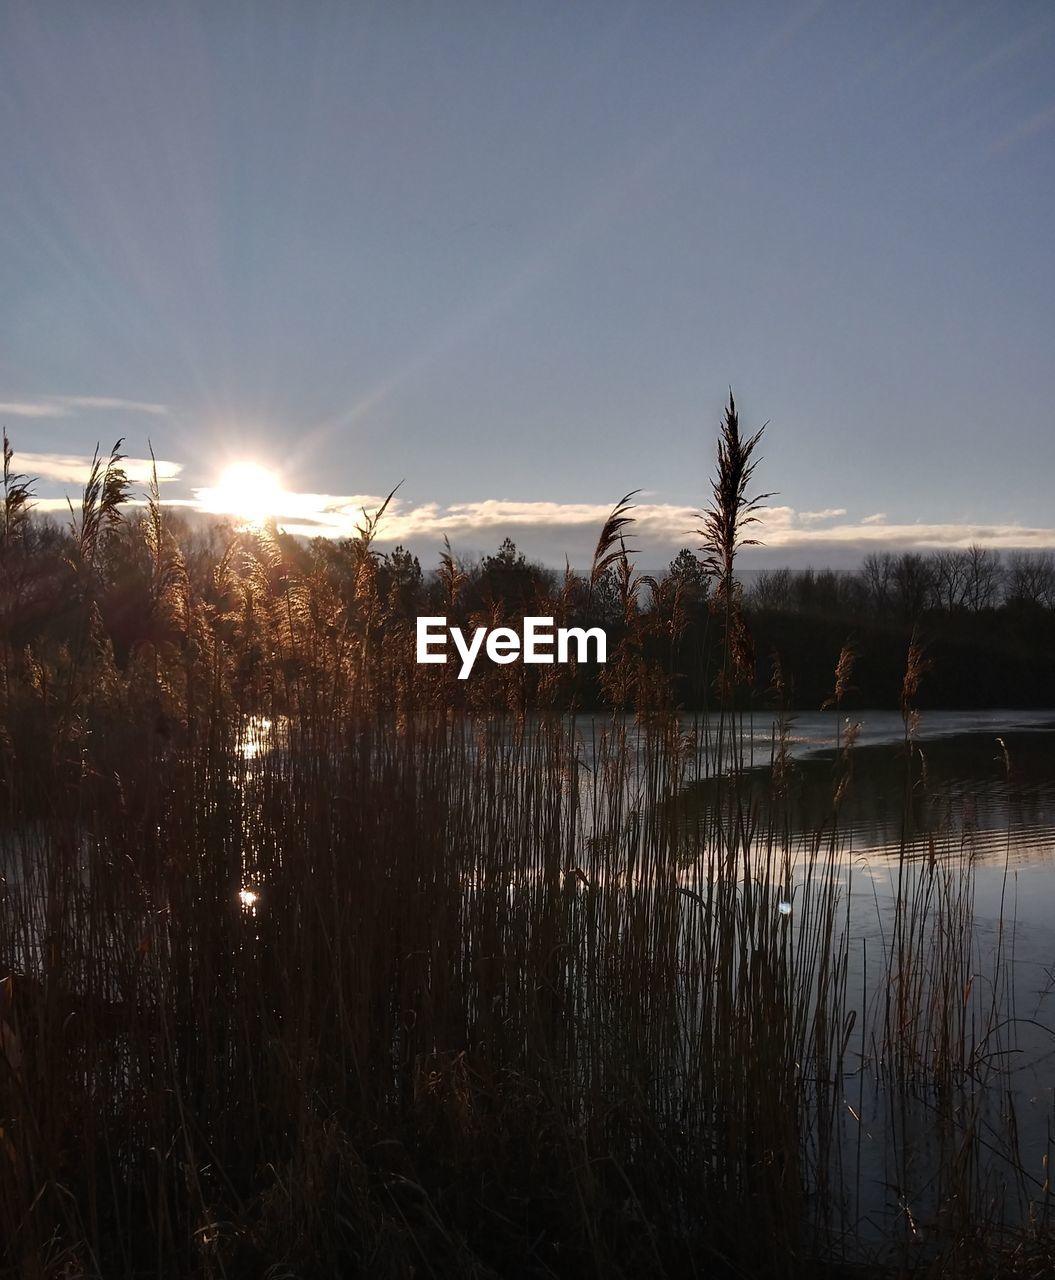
[976, 791]
[981, 794]
[974, 788]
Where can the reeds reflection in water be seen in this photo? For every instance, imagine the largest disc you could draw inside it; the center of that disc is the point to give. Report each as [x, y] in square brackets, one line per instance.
[317, 961]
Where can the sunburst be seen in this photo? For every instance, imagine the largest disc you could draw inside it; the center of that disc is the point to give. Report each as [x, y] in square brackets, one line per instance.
[246, 490]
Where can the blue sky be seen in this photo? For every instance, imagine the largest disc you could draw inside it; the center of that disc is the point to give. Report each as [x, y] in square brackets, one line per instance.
[514, 255]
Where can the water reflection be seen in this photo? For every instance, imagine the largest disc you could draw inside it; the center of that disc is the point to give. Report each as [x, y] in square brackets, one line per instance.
[990, 795]
[970, 792]
[257, 737]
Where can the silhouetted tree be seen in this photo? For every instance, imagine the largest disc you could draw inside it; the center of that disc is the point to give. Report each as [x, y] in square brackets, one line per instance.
[877, 572]
[400, 581]
[913, 584]
[771, 590]
[1030, 579]
[983, 578]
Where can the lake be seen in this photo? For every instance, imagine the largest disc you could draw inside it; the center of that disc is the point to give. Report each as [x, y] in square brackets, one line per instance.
[944, 1095]
[981, 795]
[972, 793]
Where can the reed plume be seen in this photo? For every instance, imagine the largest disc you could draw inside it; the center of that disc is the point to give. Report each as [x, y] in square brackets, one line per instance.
[732, 510]
[18, 495]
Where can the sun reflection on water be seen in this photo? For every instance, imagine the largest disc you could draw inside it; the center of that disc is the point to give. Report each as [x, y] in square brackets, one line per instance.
[256, 737]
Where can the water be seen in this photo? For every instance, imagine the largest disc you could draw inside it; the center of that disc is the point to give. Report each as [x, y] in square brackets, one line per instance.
[974, 793]
[976, 789]
[986, 777]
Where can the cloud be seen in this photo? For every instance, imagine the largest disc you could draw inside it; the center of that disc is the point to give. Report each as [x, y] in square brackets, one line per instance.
[61, 468]
[829, 513]
[113, 402]
[31, 409]
[45, 506]
[328, 514]
[68, 406]
[551, 530]
[912, 537]
[662, 529]
[50, 506]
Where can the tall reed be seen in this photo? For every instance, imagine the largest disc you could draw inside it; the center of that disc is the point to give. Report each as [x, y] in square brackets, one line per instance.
[318, 962]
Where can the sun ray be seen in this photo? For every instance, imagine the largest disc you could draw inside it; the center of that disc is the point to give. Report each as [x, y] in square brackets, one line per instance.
[246, 490]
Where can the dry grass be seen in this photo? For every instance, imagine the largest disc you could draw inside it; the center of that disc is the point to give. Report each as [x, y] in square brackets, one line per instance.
[505, 1003]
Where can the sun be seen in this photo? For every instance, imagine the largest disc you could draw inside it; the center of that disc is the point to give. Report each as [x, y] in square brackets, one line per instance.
[246, 490]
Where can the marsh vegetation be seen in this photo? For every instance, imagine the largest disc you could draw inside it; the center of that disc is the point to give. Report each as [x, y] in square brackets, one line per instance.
[317, 961]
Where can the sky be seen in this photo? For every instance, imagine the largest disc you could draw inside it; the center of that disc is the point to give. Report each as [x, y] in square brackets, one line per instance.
[514, 257]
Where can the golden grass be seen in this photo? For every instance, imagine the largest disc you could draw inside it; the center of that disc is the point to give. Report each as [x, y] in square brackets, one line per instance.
[316, 963]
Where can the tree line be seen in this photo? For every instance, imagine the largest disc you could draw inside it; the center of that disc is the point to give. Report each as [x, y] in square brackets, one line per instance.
[986, 623]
